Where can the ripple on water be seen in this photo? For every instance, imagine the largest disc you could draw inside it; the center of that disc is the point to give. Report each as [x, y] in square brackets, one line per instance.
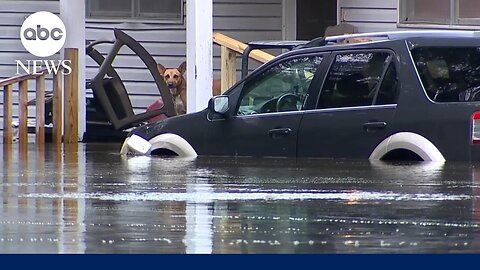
[202, 196]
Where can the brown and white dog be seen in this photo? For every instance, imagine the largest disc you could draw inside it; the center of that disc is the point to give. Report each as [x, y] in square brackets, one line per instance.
[176, 82]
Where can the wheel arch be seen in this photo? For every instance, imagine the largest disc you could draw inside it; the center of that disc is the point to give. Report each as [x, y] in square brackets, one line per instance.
[174, 143]
[413, 142]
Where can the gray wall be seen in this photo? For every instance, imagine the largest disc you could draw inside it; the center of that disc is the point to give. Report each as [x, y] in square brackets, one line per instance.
[371, 15]
[245, 20]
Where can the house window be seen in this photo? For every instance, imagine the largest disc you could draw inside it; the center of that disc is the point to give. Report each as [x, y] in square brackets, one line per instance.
[441, 12]
[165, 10]
[468, 12]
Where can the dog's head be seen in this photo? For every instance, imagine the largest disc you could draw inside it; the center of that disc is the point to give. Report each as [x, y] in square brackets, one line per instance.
[173, 77]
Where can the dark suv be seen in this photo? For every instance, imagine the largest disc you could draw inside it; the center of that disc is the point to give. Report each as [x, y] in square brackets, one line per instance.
[400, 95]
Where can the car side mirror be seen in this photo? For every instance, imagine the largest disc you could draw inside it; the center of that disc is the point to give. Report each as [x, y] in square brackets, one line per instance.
[219, 104]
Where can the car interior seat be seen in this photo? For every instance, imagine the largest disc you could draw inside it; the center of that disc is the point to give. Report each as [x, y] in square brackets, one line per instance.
[352, 90]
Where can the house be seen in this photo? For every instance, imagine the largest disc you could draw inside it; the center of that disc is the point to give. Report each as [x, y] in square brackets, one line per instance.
[161, 32]
[161, 29]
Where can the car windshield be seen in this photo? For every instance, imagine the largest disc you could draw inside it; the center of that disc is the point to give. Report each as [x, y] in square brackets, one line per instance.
[449, 74]
[281, 88]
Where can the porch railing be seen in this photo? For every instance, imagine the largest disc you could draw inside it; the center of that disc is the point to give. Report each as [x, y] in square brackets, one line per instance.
[65, 116]
[228, 57]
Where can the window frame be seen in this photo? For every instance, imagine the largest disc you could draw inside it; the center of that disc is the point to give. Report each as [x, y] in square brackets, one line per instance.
[453, 22]
[135, 15]
[467, 21]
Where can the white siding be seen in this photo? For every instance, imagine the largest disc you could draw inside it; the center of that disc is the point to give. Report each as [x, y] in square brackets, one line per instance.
[12, 15]
[245, 20]
[369, 16]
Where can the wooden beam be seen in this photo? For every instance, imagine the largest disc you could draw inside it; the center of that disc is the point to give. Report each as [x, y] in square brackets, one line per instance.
[239, 47]
[7, 114]
[57, 109]
[40, 111]
[17, 79]
[23, 113]
[73, 16]
[228, 68]
[21, 77]
[71, 98]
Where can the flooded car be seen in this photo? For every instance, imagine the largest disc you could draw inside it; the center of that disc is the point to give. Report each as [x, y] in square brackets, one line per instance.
[410, 95]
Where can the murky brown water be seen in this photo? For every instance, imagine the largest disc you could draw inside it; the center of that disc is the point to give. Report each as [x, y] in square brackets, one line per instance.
[88, 199]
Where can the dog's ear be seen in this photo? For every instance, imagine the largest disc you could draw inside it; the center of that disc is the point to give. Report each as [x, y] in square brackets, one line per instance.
[161, 69]
[183, 67]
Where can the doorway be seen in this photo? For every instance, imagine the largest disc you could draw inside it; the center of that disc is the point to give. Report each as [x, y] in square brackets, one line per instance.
[314, 16]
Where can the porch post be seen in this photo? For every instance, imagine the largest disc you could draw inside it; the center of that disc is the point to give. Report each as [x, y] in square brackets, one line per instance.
[199, 54]
[72, 13]
[289, 27]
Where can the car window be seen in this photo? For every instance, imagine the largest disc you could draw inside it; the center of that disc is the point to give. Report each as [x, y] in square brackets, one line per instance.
[353, 80]
[281, 88]
[449, 74]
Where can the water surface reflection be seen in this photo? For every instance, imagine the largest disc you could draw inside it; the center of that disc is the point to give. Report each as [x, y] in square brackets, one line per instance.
[88, 199]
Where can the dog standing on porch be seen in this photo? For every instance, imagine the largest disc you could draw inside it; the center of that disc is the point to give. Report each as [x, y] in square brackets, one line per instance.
[177, 84]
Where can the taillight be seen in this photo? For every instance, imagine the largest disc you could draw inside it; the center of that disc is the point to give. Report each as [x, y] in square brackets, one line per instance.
[476, 128]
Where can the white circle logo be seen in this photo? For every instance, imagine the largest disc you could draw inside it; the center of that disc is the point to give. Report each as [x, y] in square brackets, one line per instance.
[43, 34]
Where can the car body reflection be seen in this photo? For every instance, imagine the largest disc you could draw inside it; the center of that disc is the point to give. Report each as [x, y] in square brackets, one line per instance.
[90, 200]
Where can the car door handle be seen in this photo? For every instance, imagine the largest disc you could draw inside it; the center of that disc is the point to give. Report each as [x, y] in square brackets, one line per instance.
[280, 131]
[375, 125]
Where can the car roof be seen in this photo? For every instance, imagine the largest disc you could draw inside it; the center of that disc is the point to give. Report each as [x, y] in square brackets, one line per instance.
[396, 35]
[364, 40]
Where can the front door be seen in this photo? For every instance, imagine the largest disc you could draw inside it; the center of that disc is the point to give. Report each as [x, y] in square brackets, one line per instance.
[314, 16]
[269, 109]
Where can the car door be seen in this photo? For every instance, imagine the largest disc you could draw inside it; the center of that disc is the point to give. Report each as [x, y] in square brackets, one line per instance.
[356, 107]
[269, 107]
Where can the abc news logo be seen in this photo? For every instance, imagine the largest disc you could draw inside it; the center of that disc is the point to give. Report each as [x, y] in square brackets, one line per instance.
[43, 34]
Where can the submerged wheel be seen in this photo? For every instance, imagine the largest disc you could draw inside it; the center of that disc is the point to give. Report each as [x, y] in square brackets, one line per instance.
[172, 144]
[407, 144]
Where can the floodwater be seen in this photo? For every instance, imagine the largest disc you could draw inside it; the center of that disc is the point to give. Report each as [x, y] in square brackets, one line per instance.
[89, 199]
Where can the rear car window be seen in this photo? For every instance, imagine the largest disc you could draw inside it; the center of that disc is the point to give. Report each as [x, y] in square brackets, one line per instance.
[354, 78]
[449, 74]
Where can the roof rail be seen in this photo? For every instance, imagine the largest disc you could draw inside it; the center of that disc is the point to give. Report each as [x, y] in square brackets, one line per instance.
[316, 42]
[405, 34]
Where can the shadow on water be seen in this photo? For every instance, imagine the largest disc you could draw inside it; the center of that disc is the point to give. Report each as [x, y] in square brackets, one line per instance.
[89, 199]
